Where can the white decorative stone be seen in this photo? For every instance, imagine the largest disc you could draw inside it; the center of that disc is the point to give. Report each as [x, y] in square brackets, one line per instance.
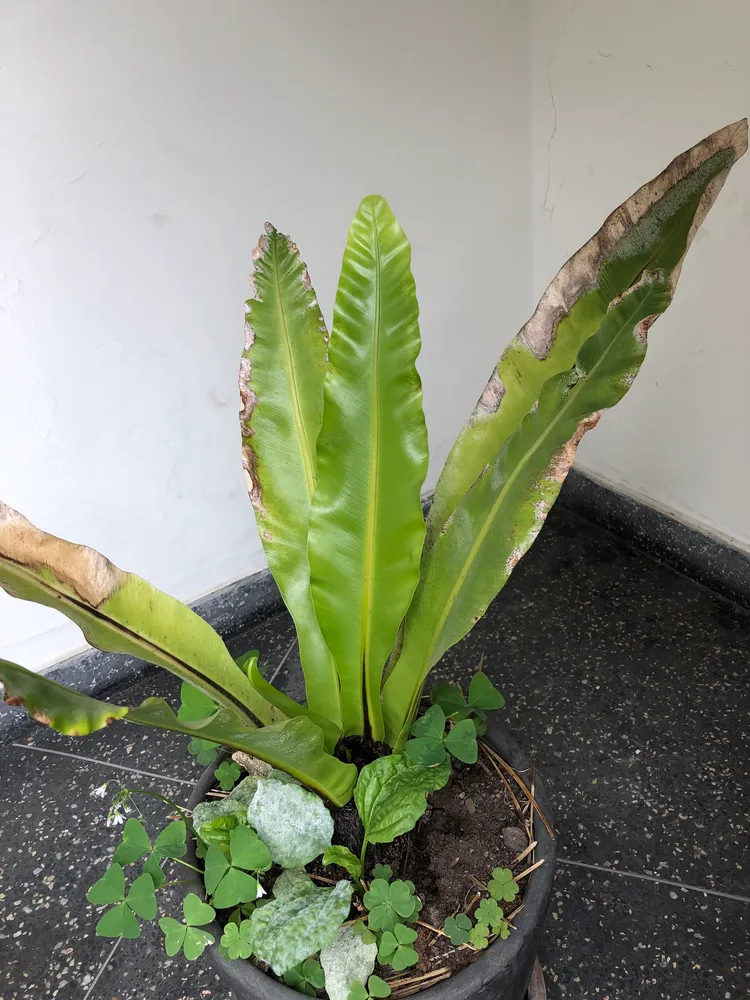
[292, 821]
[347, 959]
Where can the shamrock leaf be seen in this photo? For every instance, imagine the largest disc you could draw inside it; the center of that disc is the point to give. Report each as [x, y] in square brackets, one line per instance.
[188, 937]
[376, 987]
[153, 868]
[450, 698]
[461, 741]
[358, 991]
[483, 695]
[236, 940]
[227, 774]
[502, 885]
[395, 947]
[194, 705]
[120, 921]
[171, 842]
[307, 977]
[360, 928]
[389, 903]
[343, 857]
[479, 936]
[141, 898]
[248, 851]
[431, 724]
[488, 912]
[110, 888]
[457, 928]
[204, 751]
[226, 880]
[382, 871]
[427, 748]
[135, 843]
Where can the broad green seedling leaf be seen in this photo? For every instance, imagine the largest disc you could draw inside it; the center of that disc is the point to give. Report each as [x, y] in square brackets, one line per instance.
[366, 523]
[342, 856]
[390, 795]
[281, 387]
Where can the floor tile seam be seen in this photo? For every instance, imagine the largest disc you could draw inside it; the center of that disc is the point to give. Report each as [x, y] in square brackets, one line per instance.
[89, 992]
[104, 763]
[624, 873]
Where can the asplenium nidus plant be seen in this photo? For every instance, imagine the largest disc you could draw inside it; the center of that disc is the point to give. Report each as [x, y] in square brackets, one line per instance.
[335, 451]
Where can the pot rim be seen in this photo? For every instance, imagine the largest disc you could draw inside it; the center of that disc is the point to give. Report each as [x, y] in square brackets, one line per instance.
[245, 979]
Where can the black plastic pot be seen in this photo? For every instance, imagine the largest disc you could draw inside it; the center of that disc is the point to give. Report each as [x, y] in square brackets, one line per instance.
[501, 972]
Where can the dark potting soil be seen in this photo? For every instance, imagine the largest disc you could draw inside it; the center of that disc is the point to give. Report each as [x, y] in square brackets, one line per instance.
[470, 827]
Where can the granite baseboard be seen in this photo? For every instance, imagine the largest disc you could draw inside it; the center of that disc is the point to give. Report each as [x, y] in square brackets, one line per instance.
[240, 606]
[708, 560]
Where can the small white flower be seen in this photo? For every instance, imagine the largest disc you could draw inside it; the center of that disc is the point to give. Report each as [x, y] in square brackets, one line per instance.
[115, 818]
[261, 891]
[101, 791]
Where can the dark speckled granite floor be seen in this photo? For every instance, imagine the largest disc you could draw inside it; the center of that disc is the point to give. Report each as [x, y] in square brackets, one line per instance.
[628, 683]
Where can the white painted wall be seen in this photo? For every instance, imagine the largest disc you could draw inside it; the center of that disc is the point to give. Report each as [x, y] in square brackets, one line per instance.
[144, 145]
[617, 90]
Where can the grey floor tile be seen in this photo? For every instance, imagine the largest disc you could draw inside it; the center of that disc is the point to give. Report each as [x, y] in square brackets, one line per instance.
[614, 938]
[629, 684]
[55, 845]
[140, 969]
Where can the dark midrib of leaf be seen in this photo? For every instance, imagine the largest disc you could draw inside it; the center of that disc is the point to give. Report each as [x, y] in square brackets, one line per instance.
[375, 466]
[305, 448]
